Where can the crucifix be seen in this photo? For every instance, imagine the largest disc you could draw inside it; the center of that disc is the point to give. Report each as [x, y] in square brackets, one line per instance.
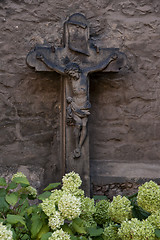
[75, 61]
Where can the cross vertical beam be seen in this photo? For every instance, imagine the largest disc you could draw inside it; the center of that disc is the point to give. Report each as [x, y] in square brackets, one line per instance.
[63, 126]
[80, 164]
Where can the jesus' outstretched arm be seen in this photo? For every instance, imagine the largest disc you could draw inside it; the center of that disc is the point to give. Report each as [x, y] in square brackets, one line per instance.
[102, 65]
[49, 63]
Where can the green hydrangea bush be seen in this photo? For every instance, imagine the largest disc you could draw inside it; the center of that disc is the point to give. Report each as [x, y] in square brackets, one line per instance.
[67, 214]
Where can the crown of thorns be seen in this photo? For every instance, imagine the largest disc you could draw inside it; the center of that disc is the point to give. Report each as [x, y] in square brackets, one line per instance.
[72, 67]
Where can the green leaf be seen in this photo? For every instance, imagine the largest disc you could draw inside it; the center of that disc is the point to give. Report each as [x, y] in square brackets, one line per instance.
[2, 182]
[28, 221]
[94, 232]
[21, 180]
[77, 227]
[67, 229]
[46, 236]
[23, 208]
[36, 225]
[138, 212]
[2, 192]
[98, 238]
[52, 186]
[44, 230]
[97, 197]
[30, 210]
[132, 196]
[44, 195]
[23, 185]
[74, 238]
[82, 238]
[78, 221]
[12, 185]
[12, 198]
[25, 237]
[4, 206]
[15, 237]
[23, 197]
[157, 233]
[14, 219]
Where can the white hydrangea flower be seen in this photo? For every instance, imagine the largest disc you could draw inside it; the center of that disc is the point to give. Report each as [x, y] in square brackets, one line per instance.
[18, 174]
[56, 220]
[136, 230]
[69, 206]
[77, 193]
[48, 207]
[110, 232]
[5, 234]
[148, 196]
[32, 191]
[56, 195]
[120, 209]
[59, 235]
[87, 207]
[101, 215]
[154, 219]
[71, 182]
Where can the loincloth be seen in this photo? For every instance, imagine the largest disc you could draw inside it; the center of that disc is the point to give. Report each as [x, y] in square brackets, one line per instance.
[80, 111]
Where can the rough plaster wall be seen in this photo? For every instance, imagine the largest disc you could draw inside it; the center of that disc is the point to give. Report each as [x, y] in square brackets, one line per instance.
[125, 143]
[124, 122]
[29, 101]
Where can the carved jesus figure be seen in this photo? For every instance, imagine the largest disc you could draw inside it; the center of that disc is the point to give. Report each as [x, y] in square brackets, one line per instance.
[78, 104]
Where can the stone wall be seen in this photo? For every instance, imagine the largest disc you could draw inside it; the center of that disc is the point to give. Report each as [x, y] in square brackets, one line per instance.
[113, 189]
[125, 107]
[124, 124]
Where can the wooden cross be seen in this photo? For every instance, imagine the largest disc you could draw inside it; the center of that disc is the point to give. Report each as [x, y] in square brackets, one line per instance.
[75, 61]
